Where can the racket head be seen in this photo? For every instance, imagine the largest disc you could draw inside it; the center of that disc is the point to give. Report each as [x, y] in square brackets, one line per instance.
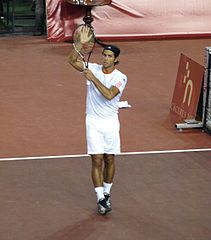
[84, 39]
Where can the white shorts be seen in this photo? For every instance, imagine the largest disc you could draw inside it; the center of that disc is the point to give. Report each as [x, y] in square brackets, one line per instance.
[102, 135]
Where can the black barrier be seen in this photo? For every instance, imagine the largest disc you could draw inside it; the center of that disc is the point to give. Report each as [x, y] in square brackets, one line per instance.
[207, 91]
[16, 16]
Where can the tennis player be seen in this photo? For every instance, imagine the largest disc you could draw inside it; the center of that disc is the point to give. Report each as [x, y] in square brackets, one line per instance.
[105, 85]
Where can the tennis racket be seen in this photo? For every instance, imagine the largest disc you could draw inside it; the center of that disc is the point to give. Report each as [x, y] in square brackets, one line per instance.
[84, 42]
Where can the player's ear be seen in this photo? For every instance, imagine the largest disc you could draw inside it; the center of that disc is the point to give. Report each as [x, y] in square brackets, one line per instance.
[116, 61]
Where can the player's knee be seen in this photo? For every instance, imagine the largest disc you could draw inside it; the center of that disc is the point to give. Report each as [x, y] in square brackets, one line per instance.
[109, 158]
[97, 160]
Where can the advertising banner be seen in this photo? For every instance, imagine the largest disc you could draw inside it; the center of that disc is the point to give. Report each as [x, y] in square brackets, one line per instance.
[187, 89]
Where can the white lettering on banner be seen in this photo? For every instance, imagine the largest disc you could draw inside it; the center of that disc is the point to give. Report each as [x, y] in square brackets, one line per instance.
[181, 112]
[189, 86]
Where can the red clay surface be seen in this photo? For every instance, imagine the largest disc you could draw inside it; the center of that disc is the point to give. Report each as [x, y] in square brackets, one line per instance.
[42, 105]
[43, 98]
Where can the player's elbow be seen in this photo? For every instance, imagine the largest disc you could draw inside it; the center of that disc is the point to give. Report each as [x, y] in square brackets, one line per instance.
[75, 64]
[70, 60]
[71, 63]
[109, 96]
[113, 92]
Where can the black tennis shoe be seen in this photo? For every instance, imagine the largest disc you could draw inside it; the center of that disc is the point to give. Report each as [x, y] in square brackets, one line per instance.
[108, 201]
[102, 206]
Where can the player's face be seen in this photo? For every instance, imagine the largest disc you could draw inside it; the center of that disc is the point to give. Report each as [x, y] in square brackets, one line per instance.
[108, 59]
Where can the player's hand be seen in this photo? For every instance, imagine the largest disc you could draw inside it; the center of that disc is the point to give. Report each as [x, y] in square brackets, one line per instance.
[85, 35]
[88, 74]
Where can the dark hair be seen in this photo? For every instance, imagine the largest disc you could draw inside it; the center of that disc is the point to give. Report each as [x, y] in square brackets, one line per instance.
[112, 48]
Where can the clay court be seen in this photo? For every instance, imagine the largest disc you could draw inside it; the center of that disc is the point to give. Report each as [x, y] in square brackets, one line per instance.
[162, 186]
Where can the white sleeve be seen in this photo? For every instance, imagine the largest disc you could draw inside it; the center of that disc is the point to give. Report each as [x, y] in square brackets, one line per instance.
[120, 82]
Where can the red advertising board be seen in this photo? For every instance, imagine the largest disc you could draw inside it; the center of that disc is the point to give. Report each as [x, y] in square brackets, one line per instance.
[187, 89]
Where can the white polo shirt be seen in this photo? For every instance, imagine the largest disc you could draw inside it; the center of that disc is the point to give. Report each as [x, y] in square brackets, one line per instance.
[97, 106]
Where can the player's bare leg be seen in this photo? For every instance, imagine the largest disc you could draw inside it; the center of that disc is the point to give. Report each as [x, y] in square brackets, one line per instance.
[97, 170]
[97, 178]
[109, 168]
[108, 176]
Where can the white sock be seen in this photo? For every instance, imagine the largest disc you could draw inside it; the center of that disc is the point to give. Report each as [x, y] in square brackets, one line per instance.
[107, 187]
[99, 193]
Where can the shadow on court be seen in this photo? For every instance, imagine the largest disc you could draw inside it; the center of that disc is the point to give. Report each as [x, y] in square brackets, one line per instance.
[155, 197]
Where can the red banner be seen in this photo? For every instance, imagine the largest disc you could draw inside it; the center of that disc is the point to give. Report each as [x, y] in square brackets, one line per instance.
[126, 19]
[187, 89]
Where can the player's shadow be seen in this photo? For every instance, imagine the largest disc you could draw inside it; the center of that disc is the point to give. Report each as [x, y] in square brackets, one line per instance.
[81, 230]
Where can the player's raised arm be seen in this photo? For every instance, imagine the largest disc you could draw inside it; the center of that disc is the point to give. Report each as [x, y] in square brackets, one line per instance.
[83, 38]
[75, 61]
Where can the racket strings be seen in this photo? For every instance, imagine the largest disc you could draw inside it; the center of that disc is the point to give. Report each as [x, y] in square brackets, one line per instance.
[84, 48]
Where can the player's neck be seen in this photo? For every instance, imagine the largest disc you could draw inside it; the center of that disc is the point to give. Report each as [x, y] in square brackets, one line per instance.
[108, 70]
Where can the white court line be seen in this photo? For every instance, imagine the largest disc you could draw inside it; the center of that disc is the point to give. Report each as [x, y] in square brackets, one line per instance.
[86, 155]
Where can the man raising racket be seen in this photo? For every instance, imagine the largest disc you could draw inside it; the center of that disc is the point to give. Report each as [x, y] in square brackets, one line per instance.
[105, 85]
